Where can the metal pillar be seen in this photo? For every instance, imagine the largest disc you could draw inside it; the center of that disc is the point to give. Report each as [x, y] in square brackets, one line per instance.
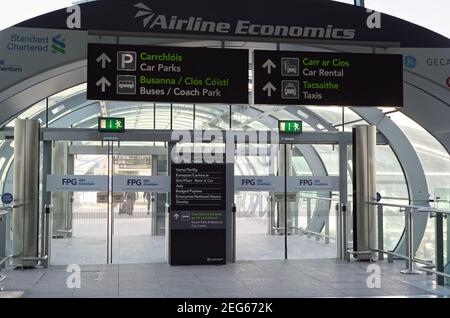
[161, 198]
[342, 211]
[60, 200]
[25, 217]
[46, 203]
[69, 202]
[154, 200]
[447, 261]
[230, 217]
[285, 220]
[364, 191]
[170, 148]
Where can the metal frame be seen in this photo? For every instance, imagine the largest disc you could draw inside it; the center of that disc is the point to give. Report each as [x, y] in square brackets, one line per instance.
[409, 257]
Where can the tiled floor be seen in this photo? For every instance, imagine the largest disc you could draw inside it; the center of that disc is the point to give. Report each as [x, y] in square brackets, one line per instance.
[132, 243]
[151, 249]
[276, 278]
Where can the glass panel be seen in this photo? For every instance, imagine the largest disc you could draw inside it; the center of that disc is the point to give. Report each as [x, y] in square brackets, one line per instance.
[312, 216]
[79, 219]
[212, 117]
[427, 248]
[435, 162]
[257, 215]
[139, 218]
[6, 185]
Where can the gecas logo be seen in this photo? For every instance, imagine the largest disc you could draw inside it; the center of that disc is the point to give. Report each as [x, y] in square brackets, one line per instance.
[154, 21]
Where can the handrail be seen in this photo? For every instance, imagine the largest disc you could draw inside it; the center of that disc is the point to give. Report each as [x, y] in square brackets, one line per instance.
[5, 259]
[316, 233]
[316, 198]
[433, 210]
[396, 205]
[10, 208]
[436, 267]
[415, 207]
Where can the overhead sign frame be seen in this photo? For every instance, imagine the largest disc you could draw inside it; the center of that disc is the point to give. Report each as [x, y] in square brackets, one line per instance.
[167, 74]
[327, 79]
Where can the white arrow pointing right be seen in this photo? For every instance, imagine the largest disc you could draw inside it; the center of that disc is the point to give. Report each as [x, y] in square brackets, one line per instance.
[269, 88]
[103, 82]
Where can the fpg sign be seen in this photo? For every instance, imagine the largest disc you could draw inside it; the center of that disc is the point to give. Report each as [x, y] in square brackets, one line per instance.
[134, 182]
[247, 182]
[69, 181]
[305, 182]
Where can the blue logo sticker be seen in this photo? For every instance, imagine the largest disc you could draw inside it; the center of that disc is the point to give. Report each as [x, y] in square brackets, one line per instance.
[7, 198]
[410, 61]
[58, 44]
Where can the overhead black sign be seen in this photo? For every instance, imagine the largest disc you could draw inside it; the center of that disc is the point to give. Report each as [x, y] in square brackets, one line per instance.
[167, 74]
[318, 21]
[198, 187]
[313, 78]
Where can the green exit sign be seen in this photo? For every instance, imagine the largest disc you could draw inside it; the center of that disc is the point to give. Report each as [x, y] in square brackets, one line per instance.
[290, 126]
[111, 124]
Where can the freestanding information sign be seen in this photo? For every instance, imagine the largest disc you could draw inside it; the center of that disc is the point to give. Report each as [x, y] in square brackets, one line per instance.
[197, 216]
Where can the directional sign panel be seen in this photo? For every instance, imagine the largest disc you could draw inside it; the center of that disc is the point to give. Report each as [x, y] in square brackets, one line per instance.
[199, 187]
[197, 214]
[317, 78]
[167, 74]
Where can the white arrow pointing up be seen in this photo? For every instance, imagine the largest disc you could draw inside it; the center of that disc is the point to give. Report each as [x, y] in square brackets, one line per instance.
[269, 88]
[103, 59]
[103, 82]
[176, 216]
[269, 65]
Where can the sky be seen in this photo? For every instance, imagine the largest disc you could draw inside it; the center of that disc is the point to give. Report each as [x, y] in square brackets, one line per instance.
[433, 14]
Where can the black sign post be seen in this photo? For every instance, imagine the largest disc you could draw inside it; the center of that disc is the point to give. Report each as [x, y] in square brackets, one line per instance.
[316, 78]
[197, 216]
[167, 74]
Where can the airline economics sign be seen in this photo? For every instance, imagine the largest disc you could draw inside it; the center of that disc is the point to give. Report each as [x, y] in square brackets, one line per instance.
[314, 20]
[243, 27]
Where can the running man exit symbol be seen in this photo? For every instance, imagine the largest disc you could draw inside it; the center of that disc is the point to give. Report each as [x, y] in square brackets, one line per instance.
[290, 126]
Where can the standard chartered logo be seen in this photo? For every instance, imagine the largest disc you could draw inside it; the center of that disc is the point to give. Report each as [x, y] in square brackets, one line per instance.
[37, 44]
[58, 44]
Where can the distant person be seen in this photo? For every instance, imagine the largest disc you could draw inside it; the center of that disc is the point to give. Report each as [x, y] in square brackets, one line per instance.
[128, 204]
[148, 197]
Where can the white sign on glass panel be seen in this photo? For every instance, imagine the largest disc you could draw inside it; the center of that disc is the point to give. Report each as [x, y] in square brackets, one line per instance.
[141, 183]
[258, 183]
[77, 183]
[312, 183]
